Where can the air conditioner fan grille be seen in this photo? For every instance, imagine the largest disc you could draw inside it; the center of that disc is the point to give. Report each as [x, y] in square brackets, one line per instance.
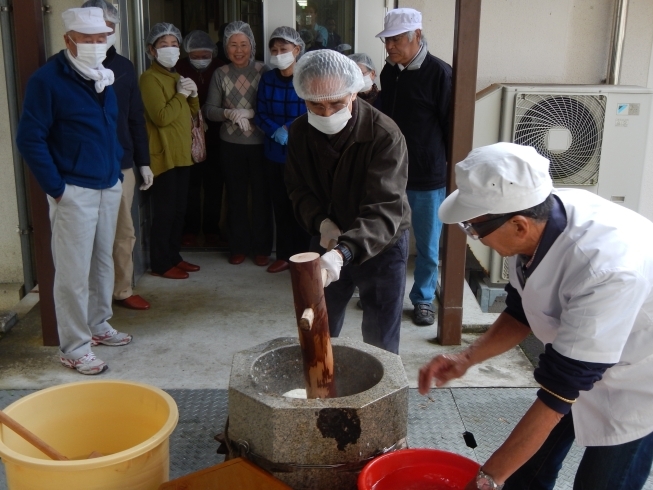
[580, 117]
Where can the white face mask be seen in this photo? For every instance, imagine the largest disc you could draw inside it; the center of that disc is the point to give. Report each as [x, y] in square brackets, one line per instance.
[283, 60]
[167, 57]
[200, 64]
[111, 40]
[367, 80]
[90, 55]
[332, 124]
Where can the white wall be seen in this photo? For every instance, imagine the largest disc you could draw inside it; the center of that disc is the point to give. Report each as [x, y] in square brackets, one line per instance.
[553, 41]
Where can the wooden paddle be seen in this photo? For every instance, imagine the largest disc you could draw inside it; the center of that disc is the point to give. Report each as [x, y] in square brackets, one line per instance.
[36, 441]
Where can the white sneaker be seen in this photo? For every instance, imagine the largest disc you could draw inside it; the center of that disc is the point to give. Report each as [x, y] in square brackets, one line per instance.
[112, 337]
[88, 364]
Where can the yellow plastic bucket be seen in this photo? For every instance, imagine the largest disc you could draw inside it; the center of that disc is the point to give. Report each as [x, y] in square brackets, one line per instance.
[130, 423]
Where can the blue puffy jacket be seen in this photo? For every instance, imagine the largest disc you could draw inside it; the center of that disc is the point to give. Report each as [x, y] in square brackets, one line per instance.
[67, 132]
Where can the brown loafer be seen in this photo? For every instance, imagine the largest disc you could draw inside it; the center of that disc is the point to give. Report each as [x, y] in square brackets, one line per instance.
[134, 302]
[237, 259]
[278, 266]
[187, 266]
[262, 260]
[173, 273]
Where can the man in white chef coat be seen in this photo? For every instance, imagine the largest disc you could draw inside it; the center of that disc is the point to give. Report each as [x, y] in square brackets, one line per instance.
[581, 279]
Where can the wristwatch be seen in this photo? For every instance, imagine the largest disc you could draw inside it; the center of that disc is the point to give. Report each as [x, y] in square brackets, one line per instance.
[345, 252]
[486, 482]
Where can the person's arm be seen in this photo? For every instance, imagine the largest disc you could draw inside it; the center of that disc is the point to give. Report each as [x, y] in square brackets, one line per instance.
[33, 130]
[161, 111]
[301, 109]
[262, 116]
[137, 128]
[443, 100]
[194, 104]
[504, 334]
[307, 207]
[383, 206]
[212, 108]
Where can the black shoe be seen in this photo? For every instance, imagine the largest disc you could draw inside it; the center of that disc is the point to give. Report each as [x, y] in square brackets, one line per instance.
[423, 314]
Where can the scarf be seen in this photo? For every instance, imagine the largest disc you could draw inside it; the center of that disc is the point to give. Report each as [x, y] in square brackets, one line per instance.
[102, 76]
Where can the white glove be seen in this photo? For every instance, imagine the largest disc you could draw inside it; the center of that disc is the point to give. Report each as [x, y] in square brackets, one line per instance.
[148, 177]
[181, 89]
[329, 233]
[189, 84]
[331, 262]
[244, 124]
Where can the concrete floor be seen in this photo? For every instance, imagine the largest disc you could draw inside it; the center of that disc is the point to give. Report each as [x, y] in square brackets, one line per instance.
[188, 338]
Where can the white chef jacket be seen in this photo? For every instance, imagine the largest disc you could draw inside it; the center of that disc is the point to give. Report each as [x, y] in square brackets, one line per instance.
[591, 297]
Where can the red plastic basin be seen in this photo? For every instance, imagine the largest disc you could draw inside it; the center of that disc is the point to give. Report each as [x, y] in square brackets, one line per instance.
[418, 469]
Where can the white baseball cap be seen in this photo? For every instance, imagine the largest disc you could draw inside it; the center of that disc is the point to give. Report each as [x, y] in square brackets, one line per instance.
[88, 20]
[497, 179]
[401, 20]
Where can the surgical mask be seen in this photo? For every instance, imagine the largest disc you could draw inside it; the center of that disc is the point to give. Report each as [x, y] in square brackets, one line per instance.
[367, 80]
[282, 61]
[200, 64]
[111, 40]
[331, 124]
[90, 55]
[167, 57]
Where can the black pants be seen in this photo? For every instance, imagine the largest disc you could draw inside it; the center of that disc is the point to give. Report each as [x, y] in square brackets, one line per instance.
[205, 176]
[291, 237]
[381, 281]
[243, 168]
[169, 194]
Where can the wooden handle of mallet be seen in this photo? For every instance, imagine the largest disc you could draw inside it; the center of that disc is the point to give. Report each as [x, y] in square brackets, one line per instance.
[35, 441]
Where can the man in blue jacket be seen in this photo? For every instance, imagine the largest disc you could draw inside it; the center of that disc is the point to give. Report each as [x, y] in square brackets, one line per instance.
[67, 136]
[417, 95]
[132, 136]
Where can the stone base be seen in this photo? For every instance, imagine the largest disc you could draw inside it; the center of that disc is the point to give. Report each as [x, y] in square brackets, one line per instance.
[7, 320]
[295, 438]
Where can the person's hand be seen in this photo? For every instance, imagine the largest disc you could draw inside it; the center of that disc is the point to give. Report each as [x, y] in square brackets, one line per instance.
[331, 262]
[329, 233]
[57, 199]
[246, 113]
[148, 177]
[190, 85]
[281, 136]
[181, 89]
[244, 124]
[443, 369]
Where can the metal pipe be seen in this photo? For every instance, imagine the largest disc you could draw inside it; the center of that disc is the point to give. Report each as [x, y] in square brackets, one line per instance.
[140, 18]
[617, 42]
[24, 228]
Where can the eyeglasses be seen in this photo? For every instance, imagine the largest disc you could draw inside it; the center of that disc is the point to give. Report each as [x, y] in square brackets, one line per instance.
[393, 39]
[481, 229]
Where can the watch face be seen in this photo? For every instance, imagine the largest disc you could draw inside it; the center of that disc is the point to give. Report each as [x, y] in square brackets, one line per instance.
[484, 483]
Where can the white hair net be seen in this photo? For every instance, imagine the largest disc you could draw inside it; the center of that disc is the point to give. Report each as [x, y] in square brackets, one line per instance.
[159, 30]
[288, 34]
[240, 27]
[363, 59]
[325, 75]
[198, 41]
[110, 12]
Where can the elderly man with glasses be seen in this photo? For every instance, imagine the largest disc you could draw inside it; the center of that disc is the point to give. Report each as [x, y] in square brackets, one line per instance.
[346, 172]
[581, 280]
[416, 95]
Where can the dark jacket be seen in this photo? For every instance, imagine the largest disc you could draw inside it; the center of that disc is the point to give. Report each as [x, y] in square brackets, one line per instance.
[67, 134]
[365, 192]
[132, 133]
[418, 99]
[277, 104]
[202, 79]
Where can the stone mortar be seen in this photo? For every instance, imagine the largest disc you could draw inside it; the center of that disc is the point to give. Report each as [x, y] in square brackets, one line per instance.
[368, 416]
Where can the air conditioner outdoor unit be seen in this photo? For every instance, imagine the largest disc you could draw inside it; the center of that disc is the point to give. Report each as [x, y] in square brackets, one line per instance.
[595, 137]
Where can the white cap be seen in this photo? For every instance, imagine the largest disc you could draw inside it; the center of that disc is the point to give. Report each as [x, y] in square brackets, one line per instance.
[85, 20]
[497, 179]
[402, 20]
